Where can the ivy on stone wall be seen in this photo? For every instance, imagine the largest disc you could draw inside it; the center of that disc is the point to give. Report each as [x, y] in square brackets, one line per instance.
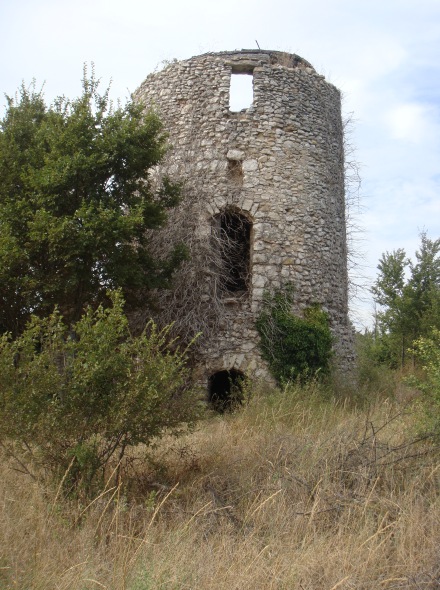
[294, 347]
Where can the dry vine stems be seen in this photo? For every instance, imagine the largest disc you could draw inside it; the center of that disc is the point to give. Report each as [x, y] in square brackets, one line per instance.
[217, 269]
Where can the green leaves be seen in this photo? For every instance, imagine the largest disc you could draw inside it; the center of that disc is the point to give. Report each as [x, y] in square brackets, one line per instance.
[409, 296]
[76, 203]
[90, 391]
[295, 348]
[427, 351]
[391, 281]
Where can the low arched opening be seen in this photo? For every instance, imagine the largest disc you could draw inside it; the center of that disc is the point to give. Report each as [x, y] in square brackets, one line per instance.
[225, 390]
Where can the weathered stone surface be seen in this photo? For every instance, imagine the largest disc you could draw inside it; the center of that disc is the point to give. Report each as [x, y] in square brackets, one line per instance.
[289, 145]
[250, 165]
[235, 154]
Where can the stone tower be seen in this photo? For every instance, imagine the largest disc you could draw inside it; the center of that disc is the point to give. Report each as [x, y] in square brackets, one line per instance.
[269, 179]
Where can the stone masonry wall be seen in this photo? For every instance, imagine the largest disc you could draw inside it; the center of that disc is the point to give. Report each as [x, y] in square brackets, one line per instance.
[289, 147]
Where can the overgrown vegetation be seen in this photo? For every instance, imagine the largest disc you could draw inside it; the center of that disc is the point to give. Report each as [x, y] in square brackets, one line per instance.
[427, 352]
[75, 204]
[74, 399]
[292, 492]
[406, 335]
[312, 486]
[295, 347]
[409, 305]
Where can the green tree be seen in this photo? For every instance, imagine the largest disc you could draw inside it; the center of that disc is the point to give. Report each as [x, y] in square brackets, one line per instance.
[425, 285]
[73, 404]
[76, 201]
[394, 295]
[409, 297]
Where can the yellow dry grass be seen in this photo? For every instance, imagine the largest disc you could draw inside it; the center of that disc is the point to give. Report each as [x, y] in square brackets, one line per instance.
[291, 492]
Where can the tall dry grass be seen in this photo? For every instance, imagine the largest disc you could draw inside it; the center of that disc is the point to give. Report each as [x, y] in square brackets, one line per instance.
[292, 492]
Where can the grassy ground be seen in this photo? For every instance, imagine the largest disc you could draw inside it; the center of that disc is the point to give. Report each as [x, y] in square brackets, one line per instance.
[295, 491]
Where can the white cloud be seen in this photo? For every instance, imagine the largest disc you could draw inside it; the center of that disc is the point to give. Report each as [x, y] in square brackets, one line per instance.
[410, 122]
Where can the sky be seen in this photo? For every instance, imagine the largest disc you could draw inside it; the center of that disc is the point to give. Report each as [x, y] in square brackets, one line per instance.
[384, 56]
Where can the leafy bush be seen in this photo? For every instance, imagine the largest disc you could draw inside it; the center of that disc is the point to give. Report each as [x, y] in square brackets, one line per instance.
[75, 398]
[427, 351]
[295, 348]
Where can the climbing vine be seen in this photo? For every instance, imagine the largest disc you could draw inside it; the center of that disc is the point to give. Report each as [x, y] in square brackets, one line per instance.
[294, 347]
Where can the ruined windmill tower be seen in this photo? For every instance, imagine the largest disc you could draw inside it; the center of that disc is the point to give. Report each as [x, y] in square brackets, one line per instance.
[267, 180]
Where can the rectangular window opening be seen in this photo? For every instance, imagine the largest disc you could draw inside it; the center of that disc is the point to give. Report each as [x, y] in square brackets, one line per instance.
[241, 92]
[233, 232]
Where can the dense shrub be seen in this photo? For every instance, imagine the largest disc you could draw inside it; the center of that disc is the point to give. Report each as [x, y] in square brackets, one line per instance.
[427, 351]
[295, 348]
[73, 399]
